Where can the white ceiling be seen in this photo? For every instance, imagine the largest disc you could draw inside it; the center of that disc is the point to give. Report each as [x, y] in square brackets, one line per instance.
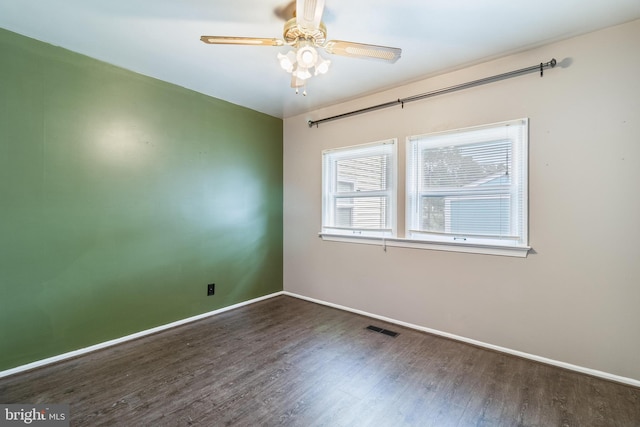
[160, 38]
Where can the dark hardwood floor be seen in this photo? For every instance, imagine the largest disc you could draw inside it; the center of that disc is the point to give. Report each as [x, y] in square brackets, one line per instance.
[285, 361]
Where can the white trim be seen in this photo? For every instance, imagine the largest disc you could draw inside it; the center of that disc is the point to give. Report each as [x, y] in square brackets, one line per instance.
[513, 251]
[330, 195]
[75, 353]
[495, 128]
[569, 366]
[120, 340]
[389, 141]
[512, 133]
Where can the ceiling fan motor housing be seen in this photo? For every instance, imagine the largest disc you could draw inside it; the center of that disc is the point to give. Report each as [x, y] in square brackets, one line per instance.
[294, 33]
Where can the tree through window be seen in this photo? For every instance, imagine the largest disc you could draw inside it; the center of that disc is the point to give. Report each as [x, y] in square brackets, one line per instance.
[469, 186]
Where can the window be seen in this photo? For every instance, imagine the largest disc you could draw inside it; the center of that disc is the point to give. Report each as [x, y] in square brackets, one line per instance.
[358, 190]
[469, 186]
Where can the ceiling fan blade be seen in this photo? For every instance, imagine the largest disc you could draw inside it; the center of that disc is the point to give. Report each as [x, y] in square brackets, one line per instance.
[309, 13]
[251, 41]
[361, 50]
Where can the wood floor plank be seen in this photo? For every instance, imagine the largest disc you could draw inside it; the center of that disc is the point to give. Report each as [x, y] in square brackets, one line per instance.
[290, 362]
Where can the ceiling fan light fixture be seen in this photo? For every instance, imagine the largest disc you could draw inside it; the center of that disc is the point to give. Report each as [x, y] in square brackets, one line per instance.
[307, 56]
[322, 66]
[287, 61]
[302, 63]
[301, 73]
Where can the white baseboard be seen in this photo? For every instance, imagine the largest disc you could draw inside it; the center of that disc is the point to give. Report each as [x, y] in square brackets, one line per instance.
[79, 352]
[140, 334]
[581, 369]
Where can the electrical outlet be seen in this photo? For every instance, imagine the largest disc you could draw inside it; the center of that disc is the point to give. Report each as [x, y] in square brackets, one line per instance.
[211, 289]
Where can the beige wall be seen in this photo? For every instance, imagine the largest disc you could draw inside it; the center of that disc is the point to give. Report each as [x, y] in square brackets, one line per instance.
[576, 297]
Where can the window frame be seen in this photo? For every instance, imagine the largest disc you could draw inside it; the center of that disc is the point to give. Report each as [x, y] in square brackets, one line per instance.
[517, 192]
[414, 241]
[330, 194]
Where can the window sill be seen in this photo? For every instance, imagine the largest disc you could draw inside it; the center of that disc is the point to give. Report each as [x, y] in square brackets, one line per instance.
[512, 251]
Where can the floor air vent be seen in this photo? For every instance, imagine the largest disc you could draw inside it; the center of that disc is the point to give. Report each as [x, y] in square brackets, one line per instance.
[382, 331]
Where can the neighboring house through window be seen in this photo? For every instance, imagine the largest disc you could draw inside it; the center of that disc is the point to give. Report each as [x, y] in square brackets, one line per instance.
[359, 195]
[469, 186]
[466, 190]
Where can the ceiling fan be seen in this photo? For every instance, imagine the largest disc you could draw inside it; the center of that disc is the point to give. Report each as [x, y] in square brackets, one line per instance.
[306, 33]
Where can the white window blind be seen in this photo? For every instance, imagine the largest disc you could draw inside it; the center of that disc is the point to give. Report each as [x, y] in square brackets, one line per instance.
[359, 191]
[469, 186]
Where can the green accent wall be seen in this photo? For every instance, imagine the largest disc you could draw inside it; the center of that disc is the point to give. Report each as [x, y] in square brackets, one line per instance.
[121, 198]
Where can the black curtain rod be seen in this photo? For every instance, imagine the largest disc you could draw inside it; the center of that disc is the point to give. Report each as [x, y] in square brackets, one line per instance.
[541, 67]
